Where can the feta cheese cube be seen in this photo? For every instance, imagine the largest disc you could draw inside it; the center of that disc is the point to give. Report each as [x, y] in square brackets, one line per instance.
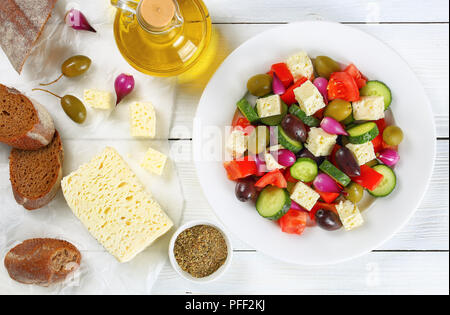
[300, 65]
[99, 99]
[272, 163]
[237, 143]
[309, 98]
[269, 106]
[304, 196]
[154, 161]
[363, 152]
[319, 142]
[143, 120]
[369, 108]
[350, 215]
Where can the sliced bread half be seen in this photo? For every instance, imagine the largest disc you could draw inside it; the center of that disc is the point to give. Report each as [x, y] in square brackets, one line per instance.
[24, 124]
[36, 175]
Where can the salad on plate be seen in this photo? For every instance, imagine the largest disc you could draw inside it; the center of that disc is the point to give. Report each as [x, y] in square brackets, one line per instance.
[307, 141]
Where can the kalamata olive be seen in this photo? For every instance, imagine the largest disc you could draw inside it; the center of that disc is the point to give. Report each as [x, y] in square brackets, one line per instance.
[328, 220]
[393, 135]
[347, 162]
[355, 192]
[338, 109]
[245, 190]
[258, 140]
[305, 153]
[294, 128]
[325, 66]
[260, 85]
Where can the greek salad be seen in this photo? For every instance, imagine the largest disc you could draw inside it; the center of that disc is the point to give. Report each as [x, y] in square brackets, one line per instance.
[308, 140]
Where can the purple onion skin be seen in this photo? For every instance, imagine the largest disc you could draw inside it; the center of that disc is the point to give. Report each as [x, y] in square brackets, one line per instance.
[389, 157]
[325, 183]
[78, 21]
[277, 86]
[261, 167]
[124, 85]
[332, 126]
[321, 84]
[286, 157]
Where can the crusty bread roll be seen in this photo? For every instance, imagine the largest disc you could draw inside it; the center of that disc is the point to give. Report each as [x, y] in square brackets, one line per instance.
[42, 261]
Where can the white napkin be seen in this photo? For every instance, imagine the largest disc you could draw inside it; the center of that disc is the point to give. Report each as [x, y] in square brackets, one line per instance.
[100, 273]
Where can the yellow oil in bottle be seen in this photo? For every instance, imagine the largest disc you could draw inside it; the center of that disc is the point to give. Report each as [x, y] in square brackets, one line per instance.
[164, 53]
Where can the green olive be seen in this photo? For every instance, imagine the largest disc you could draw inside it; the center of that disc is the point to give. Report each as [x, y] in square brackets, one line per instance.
[372, 163]
[355, 192]
[260, 85]
[339, 110]
[75, 66]
[258, 140]
[325, 66]
[393, 135]
[74, 108]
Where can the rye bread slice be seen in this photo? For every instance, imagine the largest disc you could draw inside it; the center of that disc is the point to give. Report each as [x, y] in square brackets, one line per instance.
[21, 24]
[24, 123]
[36, 175]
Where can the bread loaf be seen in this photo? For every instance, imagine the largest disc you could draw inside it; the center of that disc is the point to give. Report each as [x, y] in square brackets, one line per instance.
[42, 261]
[24, 124]
[36, 175]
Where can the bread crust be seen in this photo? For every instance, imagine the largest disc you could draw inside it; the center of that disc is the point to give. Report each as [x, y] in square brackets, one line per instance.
[41, 133]
[41, 201]
[42, 261]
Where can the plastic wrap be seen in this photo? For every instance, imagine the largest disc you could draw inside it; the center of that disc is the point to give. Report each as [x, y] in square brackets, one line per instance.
[100, 273]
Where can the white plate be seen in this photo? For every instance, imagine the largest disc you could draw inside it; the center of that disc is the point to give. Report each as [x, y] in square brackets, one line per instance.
[411, 110]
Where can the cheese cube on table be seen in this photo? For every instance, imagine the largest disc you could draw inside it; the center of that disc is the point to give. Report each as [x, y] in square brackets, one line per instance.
[368, 108]
[309, 98]
[114, 206]
[271, 162]
[143, 120]
[237, 143]
[320, 142]
[350, 215]
[305, 196]
[300, 65]
[363, 152]
[269, 106]
[99, 99]
[154, 161]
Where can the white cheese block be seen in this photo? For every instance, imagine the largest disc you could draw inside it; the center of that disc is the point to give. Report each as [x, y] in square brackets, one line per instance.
[369, 108]
[271, 162]
[142, 120]
[309, 98]
[350, 215]
[300, 65]
[237, 143]
[110, 201]
[363, 152]
[154, 161]
[320, 142]
[99, 99]
[269, 106]
[305, 196]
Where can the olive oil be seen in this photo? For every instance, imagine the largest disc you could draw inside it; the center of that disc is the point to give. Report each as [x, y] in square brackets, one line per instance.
[163, 51]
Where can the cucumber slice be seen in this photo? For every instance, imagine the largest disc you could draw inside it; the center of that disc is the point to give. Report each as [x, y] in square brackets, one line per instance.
[276, 120]
[388, 183]
[307, 120]
[273, 202]
[377, 88]
[335, 173]
[247, 110]
[305, 169]
[363, 133]
[287, 142]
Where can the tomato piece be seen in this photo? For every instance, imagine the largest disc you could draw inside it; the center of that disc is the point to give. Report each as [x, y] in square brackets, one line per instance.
[242, 123]
[378, 141]
[274, 178]
[288, 176]
[342, 85]
[359, 78]
[332, 156]
[369, 178]
[320, 113]
[293, 222]
[283, 73]
[327, 196]
[289, 97]
[237, 169]
[320, 205]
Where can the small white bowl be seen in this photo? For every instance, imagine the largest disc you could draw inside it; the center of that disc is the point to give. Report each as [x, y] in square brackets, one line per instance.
[219, 272]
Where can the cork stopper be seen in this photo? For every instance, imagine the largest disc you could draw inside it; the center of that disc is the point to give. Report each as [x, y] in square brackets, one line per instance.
[157, 13]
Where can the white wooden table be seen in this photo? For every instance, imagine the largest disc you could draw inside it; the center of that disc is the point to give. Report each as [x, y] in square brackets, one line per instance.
[414, 261]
